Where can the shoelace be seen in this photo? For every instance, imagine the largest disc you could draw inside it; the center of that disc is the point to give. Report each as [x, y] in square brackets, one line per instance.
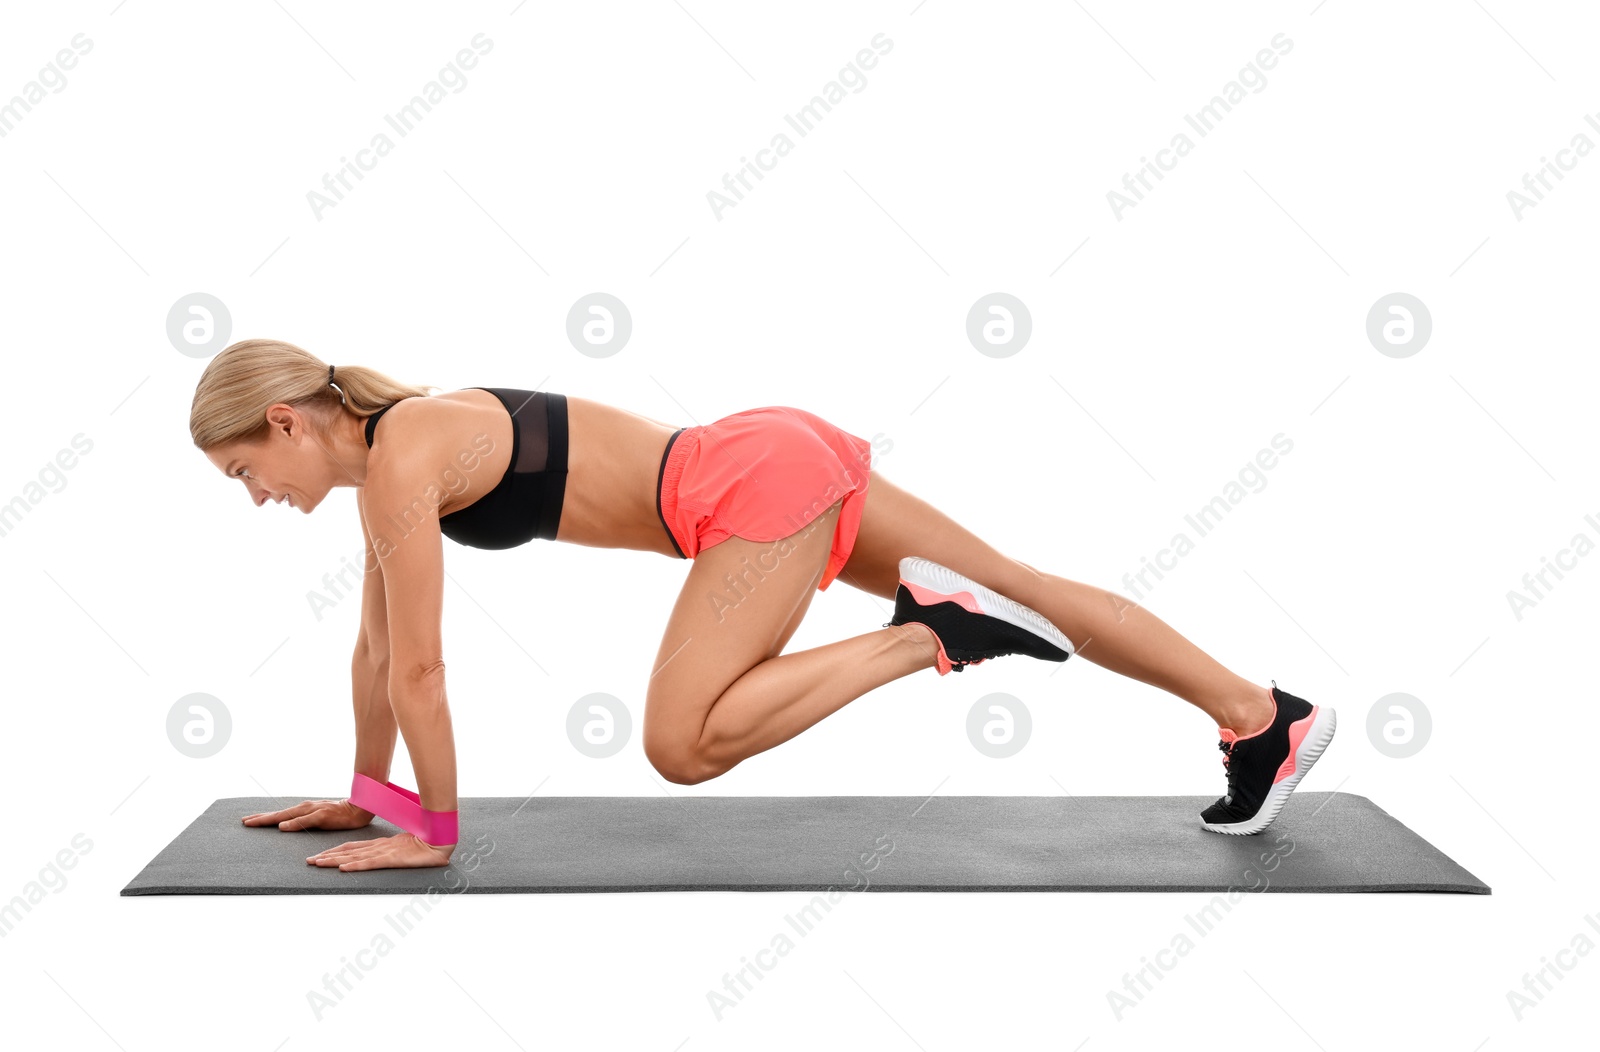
[1227, 754]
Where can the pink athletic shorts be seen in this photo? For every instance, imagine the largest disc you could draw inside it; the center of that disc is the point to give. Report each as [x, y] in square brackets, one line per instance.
[762, 474]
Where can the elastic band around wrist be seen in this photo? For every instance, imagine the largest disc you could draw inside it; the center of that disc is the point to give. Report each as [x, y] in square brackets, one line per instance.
[404, 808]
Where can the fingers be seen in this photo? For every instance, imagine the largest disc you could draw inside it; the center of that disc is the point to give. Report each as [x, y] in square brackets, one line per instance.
[313, 814]
[348, 847]
[356, 865]
[276, 817]
[305, 821]
[384, 853]
[351, 850]
[264, 818]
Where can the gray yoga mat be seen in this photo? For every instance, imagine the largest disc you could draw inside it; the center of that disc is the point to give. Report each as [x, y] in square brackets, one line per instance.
[1320, 842]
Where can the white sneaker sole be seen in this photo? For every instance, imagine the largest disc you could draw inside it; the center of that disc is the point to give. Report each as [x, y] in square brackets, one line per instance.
[1311, 747]
[925, 573]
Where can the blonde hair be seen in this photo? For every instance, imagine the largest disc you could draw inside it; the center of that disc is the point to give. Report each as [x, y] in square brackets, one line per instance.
[248, 377]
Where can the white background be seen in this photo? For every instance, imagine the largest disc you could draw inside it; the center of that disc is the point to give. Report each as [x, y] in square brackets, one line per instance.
[1230, 305]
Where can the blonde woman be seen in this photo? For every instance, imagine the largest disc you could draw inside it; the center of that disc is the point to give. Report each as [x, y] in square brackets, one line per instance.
[771, 504]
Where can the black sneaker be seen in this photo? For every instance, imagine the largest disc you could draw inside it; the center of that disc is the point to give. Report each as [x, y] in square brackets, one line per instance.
[1264, 767]
[969, 622]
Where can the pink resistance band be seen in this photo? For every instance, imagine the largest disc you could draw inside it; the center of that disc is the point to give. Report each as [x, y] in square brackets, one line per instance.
[404, 808]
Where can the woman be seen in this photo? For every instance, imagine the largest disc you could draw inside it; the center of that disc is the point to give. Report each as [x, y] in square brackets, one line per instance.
[772, 504]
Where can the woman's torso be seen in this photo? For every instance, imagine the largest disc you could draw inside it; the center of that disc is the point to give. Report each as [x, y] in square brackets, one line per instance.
[613, 462]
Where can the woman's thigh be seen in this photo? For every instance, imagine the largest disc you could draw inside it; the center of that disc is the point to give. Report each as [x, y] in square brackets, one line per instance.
[739, 605]
[896, 523]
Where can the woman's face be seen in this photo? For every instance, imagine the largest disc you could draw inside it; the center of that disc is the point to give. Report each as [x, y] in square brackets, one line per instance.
[289, 466]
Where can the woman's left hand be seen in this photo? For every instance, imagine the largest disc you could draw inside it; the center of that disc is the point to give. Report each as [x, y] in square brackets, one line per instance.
[401, 851]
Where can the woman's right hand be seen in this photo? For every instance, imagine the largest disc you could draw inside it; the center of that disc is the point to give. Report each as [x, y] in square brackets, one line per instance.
[314, 814]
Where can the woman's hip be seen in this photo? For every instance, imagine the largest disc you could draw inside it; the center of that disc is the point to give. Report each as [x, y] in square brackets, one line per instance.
[761, 474]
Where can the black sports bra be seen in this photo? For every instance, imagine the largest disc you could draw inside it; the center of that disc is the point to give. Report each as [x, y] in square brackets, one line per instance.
[527, 501]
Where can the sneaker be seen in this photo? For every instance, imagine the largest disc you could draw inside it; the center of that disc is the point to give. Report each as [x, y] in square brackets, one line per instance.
[969, 622]
[1264, 767]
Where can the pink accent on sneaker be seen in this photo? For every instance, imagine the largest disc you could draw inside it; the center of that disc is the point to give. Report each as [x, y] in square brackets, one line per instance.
[928, 597]
[1297, 734]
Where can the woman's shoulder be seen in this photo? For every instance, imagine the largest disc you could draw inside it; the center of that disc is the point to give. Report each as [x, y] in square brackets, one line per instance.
[418, 433]
[406, 426]
[429, 407]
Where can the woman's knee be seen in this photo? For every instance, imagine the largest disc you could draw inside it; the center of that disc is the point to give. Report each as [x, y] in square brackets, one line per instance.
[680, 762]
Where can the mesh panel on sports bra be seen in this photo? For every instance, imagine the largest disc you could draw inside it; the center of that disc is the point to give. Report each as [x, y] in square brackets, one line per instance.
[526, 501]
[530, 415]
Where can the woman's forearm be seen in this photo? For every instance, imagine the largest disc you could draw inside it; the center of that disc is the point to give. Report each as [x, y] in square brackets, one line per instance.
[375, 723]
[423, 714]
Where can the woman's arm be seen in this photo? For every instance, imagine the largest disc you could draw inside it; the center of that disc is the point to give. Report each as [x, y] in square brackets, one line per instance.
[375, 723]
[369, 667]
[409, 548]
[397, 671]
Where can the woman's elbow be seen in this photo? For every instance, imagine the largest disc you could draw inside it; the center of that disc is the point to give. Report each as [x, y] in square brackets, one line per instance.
[412, 676]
